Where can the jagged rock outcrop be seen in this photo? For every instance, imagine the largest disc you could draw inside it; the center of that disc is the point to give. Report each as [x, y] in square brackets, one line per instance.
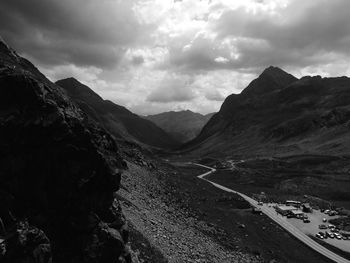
[58, 174]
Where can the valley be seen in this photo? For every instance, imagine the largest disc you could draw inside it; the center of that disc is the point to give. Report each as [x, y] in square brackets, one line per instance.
[182, 125]
[262, 178]
[175, 198]
[86, 180]
[321, 180]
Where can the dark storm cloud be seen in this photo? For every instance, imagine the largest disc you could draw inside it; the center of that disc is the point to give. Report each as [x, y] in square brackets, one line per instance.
[82, 32]
[303, 34]
[320, 25]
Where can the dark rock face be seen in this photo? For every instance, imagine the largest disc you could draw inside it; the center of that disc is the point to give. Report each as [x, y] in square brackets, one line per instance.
[58, 174]
[28, 244]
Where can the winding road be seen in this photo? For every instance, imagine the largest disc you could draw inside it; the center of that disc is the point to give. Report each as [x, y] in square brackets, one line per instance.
[283, 223]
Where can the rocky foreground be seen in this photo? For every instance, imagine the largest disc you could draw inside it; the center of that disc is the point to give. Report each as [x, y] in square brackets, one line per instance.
[58, 174]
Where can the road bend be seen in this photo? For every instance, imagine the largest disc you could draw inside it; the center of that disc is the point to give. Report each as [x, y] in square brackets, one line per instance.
[283, 223]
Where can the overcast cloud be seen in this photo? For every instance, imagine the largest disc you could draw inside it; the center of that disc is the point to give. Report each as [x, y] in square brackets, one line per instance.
[161, 55]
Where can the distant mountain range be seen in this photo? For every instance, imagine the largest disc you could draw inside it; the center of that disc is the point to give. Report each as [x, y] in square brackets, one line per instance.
[278, 114]
[118, 120]
[182, 125]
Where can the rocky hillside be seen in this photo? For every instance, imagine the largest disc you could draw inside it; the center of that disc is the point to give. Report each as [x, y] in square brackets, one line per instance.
[58, 174]
[182, 125]
[118, 120]
[278, 114]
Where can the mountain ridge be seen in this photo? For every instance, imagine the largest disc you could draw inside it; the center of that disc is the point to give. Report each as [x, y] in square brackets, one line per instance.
[272, 78]
[182, 125]
[291, 116]
[117, 119]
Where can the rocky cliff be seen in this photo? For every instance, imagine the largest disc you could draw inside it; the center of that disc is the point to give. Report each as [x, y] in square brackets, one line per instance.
[58, 174]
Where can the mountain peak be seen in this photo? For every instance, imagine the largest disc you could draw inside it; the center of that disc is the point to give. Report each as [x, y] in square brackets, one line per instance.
[273, 70]
[70, 80]
[271, 79]
[76, 88]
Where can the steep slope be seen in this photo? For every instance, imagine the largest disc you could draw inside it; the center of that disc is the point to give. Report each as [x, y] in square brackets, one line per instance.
[182, 125]
[58, 174]
[116, 119]
[278, 114]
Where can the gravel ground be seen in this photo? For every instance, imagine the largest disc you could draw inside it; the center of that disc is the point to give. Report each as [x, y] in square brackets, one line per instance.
[175, 234]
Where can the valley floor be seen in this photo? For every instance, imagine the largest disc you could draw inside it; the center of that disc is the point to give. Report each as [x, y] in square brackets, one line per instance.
[184, 219]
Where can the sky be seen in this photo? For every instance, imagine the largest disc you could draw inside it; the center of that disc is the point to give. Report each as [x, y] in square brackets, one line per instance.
[160, 55]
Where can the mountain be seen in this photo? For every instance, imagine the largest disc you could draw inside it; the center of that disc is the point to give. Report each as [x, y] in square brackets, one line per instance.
[271, 79]
[118, 120]
[279, 114]
[59, 171]
[182, 125]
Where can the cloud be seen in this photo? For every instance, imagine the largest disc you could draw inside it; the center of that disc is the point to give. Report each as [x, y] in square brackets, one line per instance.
[60, 72]
[214, 95]
[137, 60]
[253, 36]
[84, 33]
[160, 55]
[221, 60]
[172, 89]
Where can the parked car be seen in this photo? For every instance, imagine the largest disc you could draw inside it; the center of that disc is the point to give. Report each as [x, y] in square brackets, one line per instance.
[306, 220]
[330, 235]
[324, 220]
[332, 213]
[337, 236]
[331, 226]
[326, 211]
[322, 227]
[260, 203]
[319, 236]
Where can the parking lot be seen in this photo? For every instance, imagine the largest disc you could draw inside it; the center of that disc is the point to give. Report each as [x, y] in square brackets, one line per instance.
[312, 228]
